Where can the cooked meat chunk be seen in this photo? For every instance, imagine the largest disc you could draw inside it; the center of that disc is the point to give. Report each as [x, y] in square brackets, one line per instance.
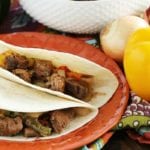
[16, 61]
[77, 88]
[60, 119]
[42, 69]
[10, 126]
[88, 79]
[23, 74]
[10, 62]
[22, 62]
[56, 82]
[29, 132]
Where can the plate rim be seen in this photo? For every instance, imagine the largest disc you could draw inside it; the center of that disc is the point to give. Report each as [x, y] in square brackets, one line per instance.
[123, 102]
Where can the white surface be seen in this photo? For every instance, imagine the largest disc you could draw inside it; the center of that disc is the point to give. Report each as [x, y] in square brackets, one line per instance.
[81, 16]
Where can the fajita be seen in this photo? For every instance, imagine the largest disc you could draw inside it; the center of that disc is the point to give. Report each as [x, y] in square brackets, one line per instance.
[61, 74]
[26, 113]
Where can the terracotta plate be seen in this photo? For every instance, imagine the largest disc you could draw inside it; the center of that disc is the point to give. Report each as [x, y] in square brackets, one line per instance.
[108, 115]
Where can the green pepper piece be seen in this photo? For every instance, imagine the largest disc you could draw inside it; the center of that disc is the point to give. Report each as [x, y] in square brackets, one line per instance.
[37, 126]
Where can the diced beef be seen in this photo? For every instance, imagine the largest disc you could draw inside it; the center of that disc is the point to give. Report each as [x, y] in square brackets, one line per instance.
[60, 119]
[76, 88]
[22, 62]
[29, 132]
[42, 69]
[10, 62]
[88, 79]
[16, 61]
[56, 82]
[23, 74]
[10, 126]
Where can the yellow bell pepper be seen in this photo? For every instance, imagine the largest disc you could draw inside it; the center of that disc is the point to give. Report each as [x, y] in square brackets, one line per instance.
[3, 56]
[137, 62]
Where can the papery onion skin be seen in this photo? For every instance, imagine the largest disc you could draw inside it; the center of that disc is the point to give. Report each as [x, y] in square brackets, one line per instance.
[114, 36]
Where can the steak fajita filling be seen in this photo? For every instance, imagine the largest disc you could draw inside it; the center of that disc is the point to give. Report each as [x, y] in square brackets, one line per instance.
[35, 124]
[44, 74]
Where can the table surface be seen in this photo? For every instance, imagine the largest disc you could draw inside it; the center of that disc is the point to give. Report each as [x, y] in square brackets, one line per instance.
[121, 141]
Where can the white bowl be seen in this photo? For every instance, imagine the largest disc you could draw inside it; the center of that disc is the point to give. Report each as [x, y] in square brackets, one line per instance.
[81, 16]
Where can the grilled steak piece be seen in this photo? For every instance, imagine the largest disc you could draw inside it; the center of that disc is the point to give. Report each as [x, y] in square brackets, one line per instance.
[29, 132]
[16, 61]
[23, 74]
[22, 62]
[60, 119]
[10, 126]
[76, 88]
[42, 69]
[56, 82]
[10, 62]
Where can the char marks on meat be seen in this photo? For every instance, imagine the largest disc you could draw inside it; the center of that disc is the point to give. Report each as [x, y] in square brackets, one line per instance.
[16, 61]
[42, 69]
[10, 62]
[60, 119]
[22, 62]
[76, 88]
[10, 126]
[56, 82]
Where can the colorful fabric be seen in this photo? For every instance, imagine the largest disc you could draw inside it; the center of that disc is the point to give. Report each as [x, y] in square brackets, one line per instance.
[99, 143]
[136, 116]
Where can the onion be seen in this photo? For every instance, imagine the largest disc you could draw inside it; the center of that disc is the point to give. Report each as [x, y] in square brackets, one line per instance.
[115, 35]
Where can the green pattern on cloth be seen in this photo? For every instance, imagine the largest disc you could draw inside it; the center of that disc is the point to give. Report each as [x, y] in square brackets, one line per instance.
[96, 145]
[136, 115]
[133, 122]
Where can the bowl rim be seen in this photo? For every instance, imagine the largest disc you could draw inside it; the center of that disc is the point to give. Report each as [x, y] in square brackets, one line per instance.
[85, 1]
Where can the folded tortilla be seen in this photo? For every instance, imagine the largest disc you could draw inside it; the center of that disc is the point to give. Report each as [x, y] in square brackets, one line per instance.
[104, 85]
[18, 98]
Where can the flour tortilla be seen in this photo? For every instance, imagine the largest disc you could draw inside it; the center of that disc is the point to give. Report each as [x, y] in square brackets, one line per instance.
[20, 98]
[105, 82]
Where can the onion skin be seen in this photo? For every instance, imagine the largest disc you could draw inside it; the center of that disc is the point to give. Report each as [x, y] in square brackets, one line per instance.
[114, 36]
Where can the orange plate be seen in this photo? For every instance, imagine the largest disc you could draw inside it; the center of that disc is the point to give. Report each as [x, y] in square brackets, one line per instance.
[108, 115]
